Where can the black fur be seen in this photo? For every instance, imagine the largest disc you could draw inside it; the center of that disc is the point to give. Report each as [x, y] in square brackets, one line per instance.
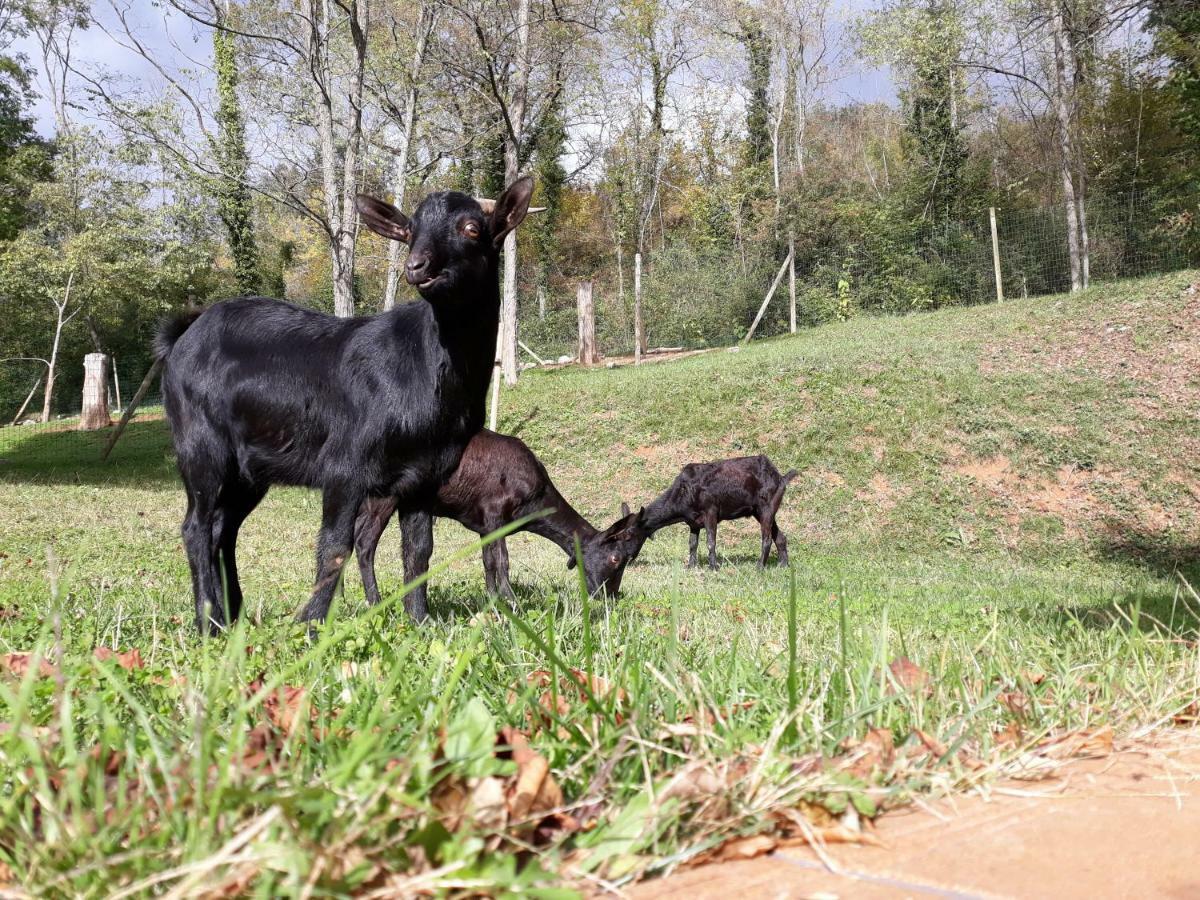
[500, 480]
[704, 494]
[260, 392]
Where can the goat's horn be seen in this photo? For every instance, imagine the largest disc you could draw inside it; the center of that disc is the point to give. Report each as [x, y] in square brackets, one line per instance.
[537, 209]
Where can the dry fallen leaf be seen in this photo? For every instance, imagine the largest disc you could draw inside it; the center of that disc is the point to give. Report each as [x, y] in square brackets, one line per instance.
[1189, 715]
[908, 675]
[18, 664]
[1084, 742]
[875, 751]
[130, 659]
[745, 848]
[1017, 703]
[534, 789]
[284, 706]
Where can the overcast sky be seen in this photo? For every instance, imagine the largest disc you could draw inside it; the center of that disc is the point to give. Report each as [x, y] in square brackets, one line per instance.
[173, 37]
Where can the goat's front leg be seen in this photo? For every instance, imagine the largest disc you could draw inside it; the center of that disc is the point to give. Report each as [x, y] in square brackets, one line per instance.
[710, 526]
[693, 544]
[495, 570]
[334, 543]
[503, 586]
[368, 528]
[417, 532]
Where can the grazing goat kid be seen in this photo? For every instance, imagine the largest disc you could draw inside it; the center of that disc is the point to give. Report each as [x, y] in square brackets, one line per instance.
[704, 494]
[259, 392]
[499, 480]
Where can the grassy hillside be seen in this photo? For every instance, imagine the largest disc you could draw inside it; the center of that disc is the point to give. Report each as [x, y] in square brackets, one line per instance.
[1006, 495]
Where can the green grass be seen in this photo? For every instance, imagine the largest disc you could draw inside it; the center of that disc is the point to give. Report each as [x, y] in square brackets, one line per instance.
[1068, 561]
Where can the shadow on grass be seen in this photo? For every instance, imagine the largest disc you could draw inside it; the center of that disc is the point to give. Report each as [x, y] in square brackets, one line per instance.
[142, 458]
[1162, 556]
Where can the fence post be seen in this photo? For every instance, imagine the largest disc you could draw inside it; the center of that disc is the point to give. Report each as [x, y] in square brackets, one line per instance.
[996, 256]
[587, 325]
[639, 329]
[792, 282]
[95, 393]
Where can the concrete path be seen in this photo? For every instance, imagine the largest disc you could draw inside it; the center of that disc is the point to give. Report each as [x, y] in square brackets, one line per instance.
[1127, 825]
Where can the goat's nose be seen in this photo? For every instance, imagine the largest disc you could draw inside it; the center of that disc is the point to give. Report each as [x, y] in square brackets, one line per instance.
[416, 267]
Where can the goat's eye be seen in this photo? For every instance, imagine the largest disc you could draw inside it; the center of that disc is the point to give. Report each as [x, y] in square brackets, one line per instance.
[471, 230]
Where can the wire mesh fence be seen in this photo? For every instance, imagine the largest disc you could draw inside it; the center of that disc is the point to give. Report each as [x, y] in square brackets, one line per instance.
[1128, 236]
[955, 264]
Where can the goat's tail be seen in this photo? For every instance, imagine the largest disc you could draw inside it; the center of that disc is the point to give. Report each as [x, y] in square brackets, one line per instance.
[777, 497]
[171, 329]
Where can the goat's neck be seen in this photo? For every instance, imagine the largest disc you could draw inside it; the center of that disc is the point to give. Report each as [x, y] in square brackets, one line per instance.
[660, 513]
[466, 330]
[561, 525]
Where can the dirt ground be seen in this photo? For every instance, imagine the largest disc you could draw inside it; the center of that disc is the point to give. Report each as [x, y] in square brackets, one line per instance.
[1125, 825]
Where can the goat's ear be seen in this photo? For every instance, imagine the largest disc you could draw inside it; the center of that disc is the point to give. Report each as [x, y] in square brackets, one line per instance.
[624, 508]
[383, 218]
[510, 210]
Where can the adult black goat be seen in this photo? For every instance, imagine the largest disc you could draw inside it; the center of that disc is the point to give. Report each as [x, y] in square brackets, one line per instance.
[499, 480]
[260, 392]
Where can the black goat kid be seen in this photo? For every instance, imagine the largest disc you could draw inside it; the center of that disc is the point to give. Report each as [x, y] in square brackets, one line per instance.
[259, 392]
[499, 480]
[704, 494]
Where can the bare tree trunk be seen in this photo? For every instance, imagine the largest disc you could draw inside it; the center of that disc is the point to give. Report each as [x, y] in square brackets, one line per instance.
[588, 355]
[512, 163]
[620, 277]
[339, 192]
[541, 298]
[408, 122]
[1062, 110]
[639, 330]
[52, 365]
[94, 414]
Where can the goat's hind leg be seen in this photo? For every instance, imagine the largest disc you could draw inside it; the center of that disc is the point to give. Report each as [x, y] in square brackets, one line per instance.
[334, 543]
[780, 543]
[417, 533]
[369, 526]
[238, 500]
[765, 526]
[200, 525]
[710, 527]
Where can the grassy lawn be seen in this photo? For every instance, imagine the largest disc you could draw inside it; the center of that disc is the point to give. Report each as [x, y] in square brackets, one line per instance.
[1005, 497]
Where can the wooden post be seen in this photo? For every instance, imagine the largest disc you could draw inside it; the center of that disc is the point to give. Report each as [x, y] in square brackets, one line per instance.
[524, 346]
[138, 397]
[95, 393]
[116, 382]
[792, 282]
[25, 405]
[771, 293]
[587, 325]
[996, 256]
[497, 374]
[639, 330]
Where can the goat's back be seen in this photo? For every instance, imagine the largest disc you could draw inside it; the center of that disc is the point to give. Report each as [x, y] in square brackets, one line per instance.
[299, 397]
